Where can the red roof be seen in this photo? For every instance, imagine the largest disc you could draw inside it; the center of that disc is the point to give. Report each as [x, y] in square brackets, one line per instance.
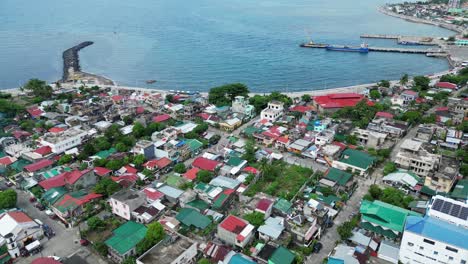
[442, 109]
[284, 140]
[6, 160]
[204, 116]
[130, 169]
[45, 260]
[205, 164]
[161, 118]
[62, 179]
[153, 194]
[127, 177]
[410, 92]
[38, 165]
[18, 134]
[338, 100]
[160, 163]
[117, 98]
[264, 204]
[34, 111]
[233, 224]
[251, 170]
[101, 171]
[384, 114]
[44, 150]
[56, 130]
[191, 174]
[339, 144]
[20, 217]
[68, 199]
[300, 108]
[140, 110]
[446, 85]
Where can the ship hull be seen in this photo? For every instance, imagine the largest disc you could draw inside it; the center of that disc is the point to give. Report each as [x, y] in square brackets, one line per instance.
[348, 49]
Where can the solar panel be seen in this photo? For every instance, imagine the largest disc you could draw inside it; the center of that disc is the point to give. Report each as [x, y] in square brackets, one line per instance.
[437, 204]
[446, 207]
[464, 213]
[456, 208]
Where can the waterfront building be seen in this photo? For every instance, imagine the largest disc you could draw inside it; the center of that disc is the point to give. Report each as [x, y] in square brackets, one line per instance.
[273, 111]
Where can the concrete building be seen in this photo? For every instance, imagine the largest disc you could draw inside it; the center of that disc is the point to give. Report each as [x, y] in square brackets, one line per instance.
[444, 178]
[370, 139]
[416, 159]
[124, 202]
[430, 240]
[235, 231]
[62, 141]
[448, 210]
[273, 111]
[458, 107]
[172, 250]
[354, 160]
[241, 106]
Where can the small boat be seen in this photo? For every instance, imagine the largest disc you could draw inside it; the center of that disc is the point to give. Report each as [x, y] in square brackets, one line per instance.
[312, 44]
[409, 43]
[150, 81]
[362, 49]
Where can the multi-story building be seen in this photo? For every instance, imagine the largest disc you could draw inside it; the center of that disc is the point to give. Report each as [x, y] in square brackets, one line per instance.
[448, 210]
[413, 157]
[62, 141]
[241, 106]
[458, 107]
[430, 240]
[444, 178]
[370, 139]
[273, 111]
[124, 202]
[235, 231]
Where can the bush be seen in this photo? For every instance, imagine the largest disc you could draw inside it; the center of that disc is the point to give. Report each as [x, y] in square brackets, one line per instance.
[180, 168]
[101, 248]
[8, 199]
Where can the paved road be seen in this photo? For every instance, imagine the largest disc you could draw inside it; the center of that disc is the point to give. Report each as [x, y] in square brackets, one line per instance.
[63, 244]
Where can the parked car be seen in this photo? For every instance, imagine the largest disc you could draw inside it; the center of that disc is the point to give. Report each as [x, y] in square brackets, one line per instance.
[317, 247]
[40, 206]
[84, 242]
[32, 199]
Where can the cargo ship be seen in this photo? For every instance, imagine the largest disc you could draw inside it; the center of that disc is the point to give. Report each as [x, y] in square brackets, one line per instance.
[312, 44]
[362, 49]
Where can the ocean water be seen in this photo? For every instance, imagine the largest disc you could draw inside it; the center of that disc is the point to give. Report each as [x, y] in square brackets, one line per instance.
[196, 45]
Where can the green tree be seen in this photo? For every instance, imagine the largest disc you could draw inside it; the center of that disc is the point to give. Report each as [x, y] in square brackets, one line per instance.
[102, 143]
[121, 147]
[204, 176]
[259, 102]
[154, 234]
[412, 117]
[225, 94]
[249, 154]
[351, 139]
[38, 88]
[375, 94]
[129, 260]
[8, 199]
[201, 128]
[384, 83]
[138, 160]
[101, 248]
[96, 223]
[404, 79]
[9, 108]
[180, 168]
[65, 159]
[421, 83]
[345, 230]
[255, 218]
[138, 130]
[114, 164]
[306, 98]
[113, 133]
[204, 261]
[106, 186]
[389, 168]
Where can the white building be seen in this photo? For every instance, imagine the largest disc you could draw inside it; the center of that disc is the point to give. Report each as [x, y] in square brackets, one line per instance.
[124, 202]
[62, 141]
[430, 240]
[449, 210]
[273, 111]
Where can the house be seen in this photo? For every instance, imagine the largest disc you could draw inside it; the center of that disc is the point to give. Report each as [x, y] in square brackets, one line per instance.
[230, 124]
[72, 180]
[22, 228]
[402, 179]
[384, 219]
[369, 138]
[412, 156]
[343, 181]
[147, 213]
[205, 164]
[152, 195]
[62, 141]
[162, 164]
[333, 102]
[71, 205]
[237, 258]
[191, 217]
[235, 231]
[222, 201]
[240, 106]
[171, 250]
[124, 202]
[273, 111]
[272, 228]
[408, 96]
[304, 230]
[460, 191]
[282, 255]
[324, 137]
[217, 253]
[446, 86]
[191, 174]
[430, 238]
[170, 193]
[299, 146]
[161, 118]
[264, 206]
[146, 148]
[225, 182]
[282, 207]
[122, 244]
[448, 210]
[42, 165]
[102, 172]
[354, 160]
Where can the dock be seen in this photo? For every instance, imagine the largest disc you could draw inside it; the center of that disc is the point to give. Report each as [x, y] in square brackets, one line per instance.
[404, 40]
[428, 52]
[380, 36]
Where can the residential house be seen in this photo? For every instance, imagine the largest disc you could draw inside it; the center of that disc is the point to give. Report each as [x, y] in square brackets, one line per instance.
[124, 202]
[122, 244]
[412, 156]
[272, 228]
[354, 160]
[369, 138]
[170, 193]
[171, 250]
[146, 148]
[162, 165]
[403, 179]
[460, 191]
[330, 103]
[205, 164]
[72, 180]
[264, 206]
[230, 124]
[37, 167]
[282, 255]
[240, 105]
[444, 178]
[459, 108]
[192, 218]
[235, 231]
[60, 142]
[341, 180]
[384, 219]
[273, 111]
[145, 214]
[304, 230]
[324, 137]
[71, 205]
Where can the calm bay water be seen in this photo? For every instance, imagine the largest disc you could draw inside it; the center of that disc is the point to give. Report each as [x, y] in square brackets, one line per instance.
[195, 45]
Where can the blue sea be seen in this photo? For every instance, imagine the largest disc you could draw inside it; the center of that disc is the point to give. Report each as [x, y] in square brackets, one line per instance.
[199, 44]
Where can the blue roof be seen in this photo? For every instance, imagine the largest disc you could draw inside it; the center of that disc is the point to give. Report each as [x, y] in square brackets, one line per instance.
[335, 261]
[238, 259]
[438, 230]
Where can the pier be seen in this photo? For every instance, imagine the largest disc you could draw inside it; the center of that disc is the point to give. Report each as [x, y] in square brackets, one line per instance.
[380, 36]
[71, 60]
[404, 40]
[429, 52]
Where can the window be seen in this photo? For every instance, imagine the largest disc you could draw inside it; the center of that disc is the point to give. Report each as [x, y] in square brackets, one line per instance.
[429, 241]
[462, 261]
[451, 249]
[421, 248]
[436, 253]
[450, 258]
[410, 244]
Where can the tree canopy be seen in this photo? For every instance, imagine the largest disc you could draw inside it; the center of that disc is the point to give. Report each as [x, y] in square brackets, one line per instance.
[225, 94]
[255, 218]
[38, 88]
[106, 186]
[204, 176]
[421, 83]
[8, 199]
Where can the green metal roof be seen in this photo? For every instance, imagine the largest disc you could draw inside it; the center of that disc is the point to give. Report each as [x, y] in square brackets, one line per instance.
[283, 205]
[220, 200]
[338, 176]
[191, 217]
[379, 230]
[281, 256]
[199, 204]
[357, 158]
[330, 199]
[250, 130]
[174, 181]
[385, 215]
[104, 154]
[126, 237]
[460, 191]
[19, 165]
[194, 144]
[54, 194]
[234, 161]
